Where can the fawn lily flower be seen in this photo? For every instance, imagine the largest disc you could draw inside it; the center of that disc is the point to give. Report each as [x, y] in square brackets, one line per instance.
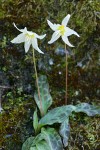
[62, 30]
[29, 38]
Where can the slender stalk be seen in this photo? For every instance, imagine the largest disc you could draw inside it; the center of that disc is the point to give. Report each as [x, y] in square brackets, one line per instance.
[37, 84]
[66, 75]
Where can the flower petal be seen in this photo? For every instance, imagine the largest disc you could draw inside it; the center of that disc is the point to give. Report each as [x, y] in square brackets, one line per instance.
[65, 39]
[19, 39]
[35, 45]
[55, 36]
[70, 32]
[52, 26]
[40, 36]
[65, 20]
[27, 45]
[21, 30]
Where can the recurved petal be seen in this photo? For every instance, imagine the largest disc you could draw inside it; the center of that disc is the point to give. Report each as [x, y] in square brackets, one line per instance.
[70, 32]
[21, 30]
[35, 45]
[65, 39]
[65, 20]
[52, 26]
[55, 36]
[27, 45]
[40, 36]
[19, 39]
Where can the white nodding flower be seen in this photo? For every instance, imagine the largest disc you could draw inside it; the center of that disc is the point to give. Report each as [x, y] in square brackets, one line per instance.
[29, 38]
[62, 31]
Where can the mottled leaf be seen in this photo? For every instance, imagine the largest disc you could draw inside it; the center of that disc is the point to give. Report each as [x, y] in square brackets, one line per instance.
[42, 145]
[37, 139]
[60, 114]
[27, 144]
[57, 115]
[44, 94]
[65, 131]
[90, 110]
[52, 138]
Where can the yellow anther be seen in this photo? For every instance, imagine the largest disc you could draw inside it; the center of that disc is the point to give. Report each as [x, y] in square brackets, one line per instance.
[62, 29]
[28, 36]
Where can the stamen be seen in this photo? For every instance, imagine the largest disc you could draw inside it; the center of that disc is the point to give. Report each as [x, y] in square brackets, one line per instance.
[29, 36]
[61, 28]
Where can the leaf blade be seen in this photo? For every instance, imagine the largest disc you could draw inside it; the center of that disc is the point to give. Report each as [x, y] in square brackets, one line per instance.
[44, 94]
[57, 115]
[60, 114]
[65, 131]
[52, 138]
[27, 144]
[90, 110]
[43, 145]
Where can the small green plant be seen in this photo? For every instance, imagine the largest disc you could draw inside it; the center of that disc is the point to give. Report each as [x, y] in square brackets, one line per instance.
[47, 136]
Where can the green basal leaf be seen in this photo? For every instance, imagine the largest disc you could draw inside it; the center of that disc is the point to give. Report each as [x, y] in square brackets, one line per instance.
[37, 143]
[27, 144]
[57, 115]
[60, 114]
[44, 94]
[35, 121]
[43, 145]
[49, 138]
[90, 110]
[37, 139]
[65, 131]
[52, 138]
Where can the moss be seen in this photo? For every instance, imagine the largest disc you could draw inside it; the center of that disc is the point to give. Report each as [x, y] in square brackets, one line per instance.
[84, 133]
[16, 123]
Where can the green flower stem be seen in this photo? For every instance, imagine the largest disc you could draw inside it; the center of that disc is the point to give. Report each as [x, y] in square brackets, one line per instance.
[37, 84]
[66, 76]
